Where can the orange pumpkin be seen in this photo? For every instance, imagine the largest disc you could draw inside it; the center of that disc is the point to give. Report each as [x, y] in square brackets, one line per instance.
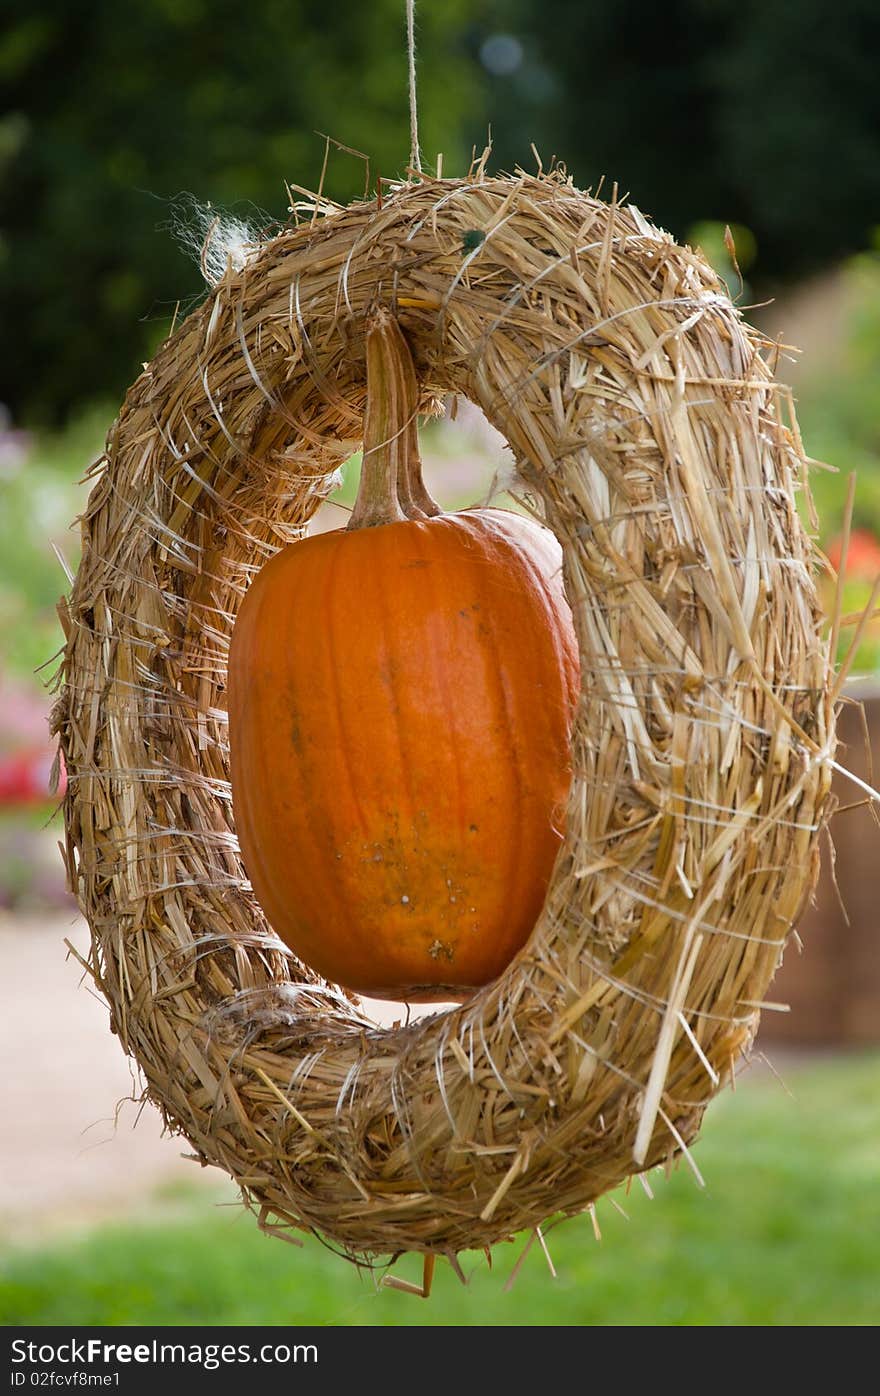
[400, 700]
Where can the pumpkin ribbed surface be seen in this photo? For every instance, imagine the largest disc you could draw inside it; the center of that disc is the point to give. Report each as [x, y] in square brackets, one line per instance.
[400, 700]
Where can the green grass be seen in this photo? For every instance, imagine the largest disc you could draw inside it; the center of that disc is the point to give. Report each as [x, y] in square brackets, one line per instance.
[785, 1233]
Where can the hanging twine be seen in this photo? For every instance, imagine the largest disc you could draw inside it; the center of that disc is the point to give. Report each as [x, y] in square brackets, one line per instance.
[414, 156]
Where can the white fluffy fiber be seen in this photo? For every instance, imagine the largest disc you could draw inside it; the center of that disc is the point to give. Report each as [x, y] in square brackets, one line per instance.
[212, 237]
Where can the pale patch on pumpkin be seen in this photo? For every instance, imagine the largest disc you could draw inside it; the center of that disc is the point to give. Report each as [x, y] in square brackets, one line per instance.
[441, 948]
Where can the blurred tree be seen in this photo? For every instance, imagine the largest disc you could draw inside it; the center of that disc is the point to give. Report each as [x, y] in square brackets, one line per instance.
[764, 114]
[112, 110]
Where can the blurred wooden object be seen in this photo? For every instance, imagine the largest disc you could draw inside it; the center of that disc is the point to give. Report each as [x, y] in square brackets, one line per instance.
[833, 984]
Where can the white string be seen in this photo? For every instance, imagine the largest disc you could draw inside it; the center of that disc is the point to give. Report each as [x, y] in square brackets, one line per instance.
[414, 157]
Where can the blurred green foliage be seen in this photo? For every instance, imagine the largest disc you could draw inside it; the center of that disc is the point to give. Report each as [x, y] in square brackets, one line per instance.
[838, 406]
[116, 115]
[783, 1233]
[40, 495]
[762, 114]
[112, 111]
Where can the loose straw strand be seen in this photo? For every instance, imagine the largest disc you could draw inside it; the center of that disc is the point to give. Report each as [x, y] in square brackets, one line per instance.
[415, 159]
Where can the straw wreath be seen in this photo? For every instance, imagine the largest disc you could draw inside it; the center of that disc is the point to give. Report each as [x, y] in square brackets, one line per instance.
[652, 436]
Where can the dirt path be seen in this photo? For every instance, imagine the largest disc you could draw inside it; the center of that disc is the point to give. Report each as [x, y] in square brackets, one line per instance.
[75, 1142]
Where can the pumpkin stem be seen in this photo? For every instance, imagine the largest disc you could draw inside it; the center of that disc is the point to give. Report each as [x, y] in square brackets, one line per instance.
[415, 500]
[391, 488]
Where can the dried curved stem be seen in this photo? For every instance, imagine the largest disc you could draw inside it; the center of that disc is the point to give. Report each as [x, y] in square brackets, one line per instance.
[391, 488]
